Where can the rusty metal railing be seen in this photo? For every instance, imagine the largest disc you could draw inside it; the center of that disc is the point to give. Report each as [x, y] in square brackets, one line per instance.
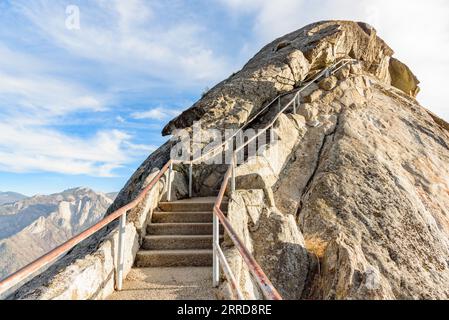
[49, 258]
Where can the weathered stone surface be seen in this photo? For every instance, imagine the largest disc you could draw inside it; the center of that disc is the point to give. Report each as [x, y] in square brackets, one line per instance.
[329, 83]
[355, 207]
[403, 78]
[369, 189]
[314, 96]
[343, 73]
[281, 65]
[274, 241]
[372, 195]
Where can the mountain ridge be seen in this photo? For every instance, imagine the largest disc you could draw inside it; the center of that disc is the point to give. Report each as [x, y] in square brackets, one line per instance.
[34, 225]
[10, 196]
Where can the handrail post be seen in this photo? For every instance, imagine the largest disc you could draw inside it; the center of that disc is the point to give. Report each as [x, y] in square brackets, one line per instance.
[121, 252]
[190, 179]
[170, 172]
[234, 165]
[294, 105]
[215, 257]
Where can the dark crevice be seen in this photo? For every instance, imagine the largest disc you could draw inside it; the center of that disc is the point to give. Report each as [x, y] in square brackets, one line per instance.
[292, 72]
[308, 186]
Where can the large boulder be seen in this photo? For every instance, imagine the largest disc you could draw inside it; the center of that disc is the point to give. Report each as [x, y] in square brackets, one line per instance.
[282, 65]
[403, 78]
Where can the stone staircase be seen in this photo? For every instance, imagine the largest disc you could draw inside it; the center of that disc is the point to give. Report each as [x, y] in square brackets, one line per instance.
[179, 235]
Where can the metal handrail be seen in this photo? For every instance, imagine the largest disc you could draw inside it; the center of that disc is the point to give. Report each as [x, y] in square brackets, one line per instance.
[277, 98]
[295, 101]
[22, 274]
[265, 284]
[212, 151]
[268, 290]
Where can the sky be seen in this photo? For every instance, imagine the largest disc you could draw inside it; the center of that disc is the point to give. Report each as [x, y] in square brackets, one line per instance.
[87, 86]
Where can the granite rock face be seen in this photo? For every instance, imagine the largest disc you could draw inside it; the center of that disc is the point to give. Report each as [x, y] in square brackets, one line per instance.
[351, 200]
[369, 189]
[354, 202]
[282, 65]
[278, 68]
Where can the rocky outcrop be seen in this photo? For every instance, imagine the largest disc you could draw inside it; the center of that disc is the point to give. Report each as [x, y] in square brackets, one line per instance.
[278, 68]
[369, 191]
[274, 240]
[282, 65]
[351, 198]
[403, 78]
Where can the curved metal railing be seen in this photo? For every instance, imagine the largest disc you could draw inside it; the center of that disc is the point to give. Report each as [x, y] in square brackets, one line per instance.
[264, 283]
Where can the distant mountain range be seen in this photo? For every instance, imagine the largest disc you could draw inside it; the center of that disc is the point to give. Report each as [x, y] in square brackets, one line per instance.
[9, 197]
[30, 227]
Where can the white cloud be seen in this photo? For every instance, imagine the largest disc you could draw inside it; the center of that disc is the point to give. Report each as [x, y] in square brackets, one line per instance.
[272, 18]
[120, 119]
[159, 113]
[46, 94]
[418, 31]
[129, 35]
[34, 149]
[36, 94]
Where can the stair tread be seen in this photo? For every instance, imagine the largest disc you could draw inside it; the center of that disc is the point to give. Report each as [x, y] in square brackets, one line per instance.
[176, 251]
[179, 236]
[196, 200]
[162, 224]
[182, 212]
[185, 212]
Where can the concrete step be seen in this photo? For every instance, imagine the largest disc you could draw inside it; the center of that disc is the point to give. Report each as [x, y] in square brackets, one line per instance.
[167, 283]
[191, 205]
[174, 258]
[180, 229]
[177, 242]
[176, 217]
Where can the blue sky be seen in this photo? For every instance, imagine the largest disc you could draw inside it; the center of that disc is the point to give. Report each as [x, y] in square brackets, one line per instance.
[84, 107]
